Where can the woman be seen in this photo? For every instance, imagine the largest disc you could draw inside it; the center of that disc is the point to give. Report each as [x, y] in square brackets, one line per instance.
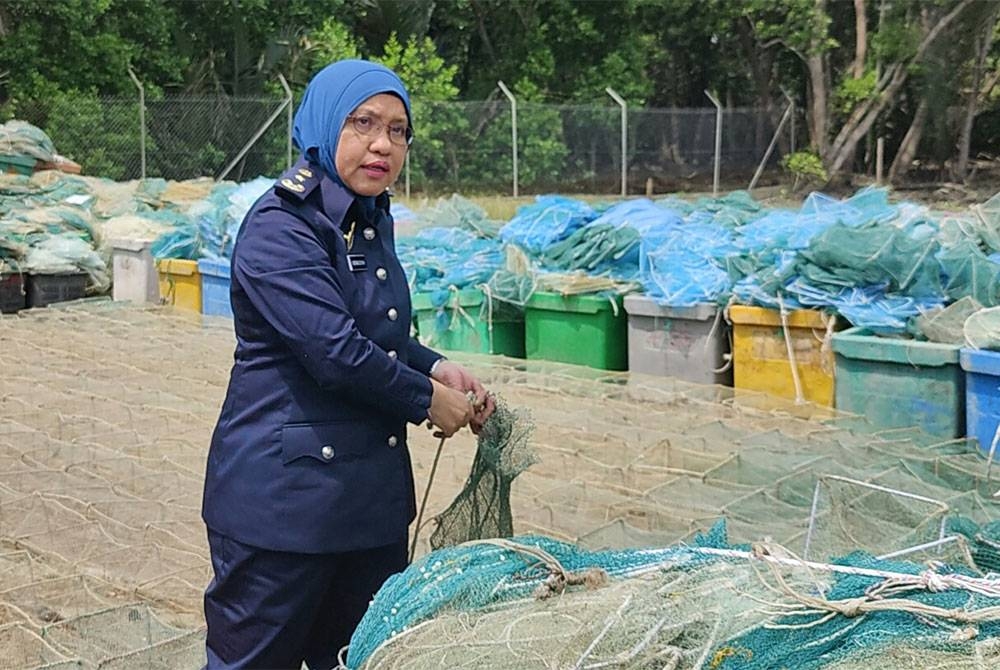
[309, 488]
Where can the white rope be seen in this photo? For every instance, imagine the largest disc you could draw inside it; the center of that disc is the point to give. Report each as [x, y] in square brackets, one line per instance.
[799, 397]
[457, 310]
[927, 579]
[489, 314]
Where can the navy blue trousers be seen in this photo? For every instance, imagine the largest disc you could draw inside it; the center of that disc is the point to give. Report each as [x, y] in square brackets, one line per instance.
[272, 610]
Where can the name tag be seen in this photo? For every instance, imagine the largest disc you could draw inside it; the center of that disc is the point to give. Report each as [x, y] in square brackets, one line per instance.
[357, 262]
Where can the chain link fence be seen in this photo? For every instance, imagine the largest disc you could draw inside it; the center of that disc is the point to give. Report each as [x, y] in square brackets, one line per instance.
[459, 146]
[185, 136]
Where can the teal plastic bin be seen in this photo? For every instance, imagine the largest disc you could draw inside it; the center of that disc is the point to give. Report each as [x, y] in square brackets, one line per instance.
[899, 383]
[581, 329]
[467, 322]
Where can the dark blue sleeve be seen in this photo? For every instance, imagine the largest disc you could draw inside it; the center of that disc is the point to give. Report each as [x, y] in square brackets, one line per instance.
[421, 358]
[287, 275]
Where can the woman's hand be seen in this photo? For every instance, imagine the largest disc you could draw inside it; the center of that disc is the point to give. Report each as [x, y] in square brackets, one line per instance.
[455, 376]
[450, 409]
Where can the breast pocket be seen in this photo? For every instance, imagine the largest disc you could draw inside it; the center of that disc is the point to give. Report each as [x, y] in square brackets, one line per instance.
[328, 442]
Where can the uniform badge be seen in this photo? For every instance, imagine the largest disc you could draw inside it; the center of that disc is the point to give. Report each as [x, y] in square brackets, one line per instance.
[292, 186]
[305, 172]
[357, 262]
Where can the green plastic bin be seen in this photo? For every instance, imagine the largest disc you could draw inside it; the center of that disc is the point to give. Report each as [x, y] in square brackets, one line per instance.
[580, 329]
[463, 324]
[898, 383]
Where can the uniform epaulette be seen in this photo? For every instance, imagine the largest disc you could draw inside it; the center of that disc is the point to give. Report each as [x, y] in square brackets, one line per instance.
[297, 183]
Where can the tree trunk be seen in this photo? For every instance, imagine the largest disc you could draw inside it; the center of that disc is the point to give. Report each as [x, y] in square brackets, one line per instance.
[863, 117]
[861, 122]
[760, 61]
[818, 104]
[908, 148]
[861, 39]
[819, 89]
[984, 41]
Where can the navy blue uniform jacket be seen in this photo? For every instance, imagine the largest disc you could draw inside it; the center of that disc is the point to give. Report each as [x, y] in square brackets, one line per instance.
[309, 454]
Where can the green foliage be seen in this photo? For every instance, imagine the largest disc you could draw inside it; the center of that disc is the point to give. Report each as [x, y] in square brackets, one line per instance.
[806, 166]
[418, 64]
[802, 25]
[896, 41]
[331, 42]
[87, 44]
[853, 91]
[436, 127]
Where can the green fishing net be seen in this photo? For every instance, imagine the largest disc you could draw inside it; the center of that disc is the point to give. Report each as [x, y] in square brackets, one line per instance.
[482, 508]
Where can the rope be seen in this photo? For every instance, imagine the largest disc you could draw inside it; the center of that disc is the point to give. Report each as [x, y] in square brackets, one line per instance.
[826, 348]
[872, 602]
[559, 577]
[799, 397]
[423, 503]
[457, 310]
[489, 313]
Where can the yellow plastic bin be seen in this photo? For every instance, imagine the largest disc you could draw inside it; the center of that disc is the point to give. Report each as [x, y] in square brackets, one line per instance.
[761, 359]
[180, 283]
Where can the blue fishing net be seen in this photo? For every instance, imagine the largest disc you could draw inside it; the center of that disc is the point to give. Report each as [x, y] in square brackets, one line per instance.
[208, 228]
[550, 219]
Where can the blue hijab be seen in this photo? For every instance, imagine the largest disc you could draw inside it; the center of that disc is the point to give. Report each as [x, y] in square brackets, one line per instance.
[333, 93]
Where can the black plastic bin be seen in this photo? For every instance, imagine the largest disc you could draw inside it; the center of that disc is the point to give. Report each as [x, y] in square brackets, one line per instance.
[11, 292]
[44, 290]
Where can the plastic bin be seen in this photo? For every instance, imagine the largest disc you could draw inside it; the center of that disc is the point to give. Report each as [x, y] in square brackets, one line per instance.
[463, 324]
[900, 383]
[761, 359]
[133, 270]
[41, 290]
[12, 298]
[17, 164]
[180, 283]
[982, 397]
[688, 343]
[580, 329]
[215, 282]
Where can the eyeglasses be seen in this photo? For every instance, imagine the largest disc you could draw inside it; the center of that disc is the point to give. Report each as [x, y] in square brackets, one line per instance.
[399, 133]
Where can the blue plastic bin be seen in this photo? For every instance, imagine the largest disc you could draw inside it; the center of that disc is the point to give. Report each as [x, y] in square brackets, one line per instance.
[982, 396]
[215, 288]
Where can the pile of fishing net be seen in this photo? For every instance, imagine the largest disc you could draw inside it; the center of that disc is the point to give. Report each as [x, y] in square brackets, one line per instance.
[208, 227]
[47, 228]
[20, 138]
[455, 248]
[533, 602]
[55, 223]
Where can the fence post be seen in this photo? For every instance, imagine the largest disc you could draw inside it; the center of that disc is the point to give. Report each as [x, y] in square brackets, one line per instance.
[621, 101]
[513, 127]
[770, 147]
[288, 92]
[256, 136]
[718, 143]
[142, 121]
